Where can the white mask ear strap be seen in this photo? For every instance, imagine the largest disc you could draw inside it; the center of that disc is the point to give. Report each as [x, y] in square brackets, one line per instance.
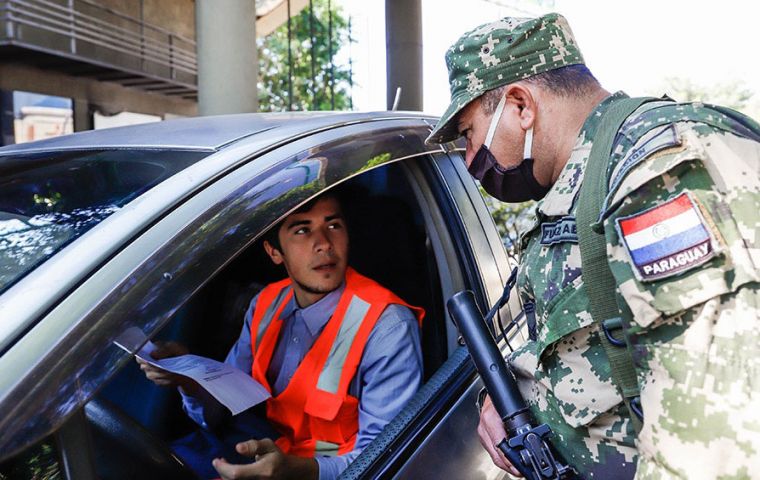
[495, 121]
[528, 144]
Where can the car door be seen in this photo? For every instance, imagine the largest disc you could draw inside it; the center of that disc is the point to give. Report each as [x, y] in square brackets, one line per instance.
[68, 355]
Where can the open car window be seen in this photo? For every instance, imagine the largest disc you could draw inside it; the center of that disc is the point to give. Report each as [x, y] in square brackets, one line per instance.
[399, 237]
[390, 243]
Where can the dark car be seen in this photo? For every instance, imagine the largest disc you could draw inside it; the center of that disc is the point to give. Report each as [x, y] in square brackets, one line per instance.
[159, 227]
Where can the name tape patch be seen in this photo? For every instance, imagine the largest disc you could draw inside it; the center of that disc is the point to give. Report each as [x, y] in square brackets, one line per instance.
[667, 138]
[668, 239]
[563, 230]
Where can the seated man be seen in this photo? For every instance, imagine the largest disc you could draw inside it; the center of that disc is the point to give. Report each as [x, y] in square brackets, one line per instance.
[339, 353]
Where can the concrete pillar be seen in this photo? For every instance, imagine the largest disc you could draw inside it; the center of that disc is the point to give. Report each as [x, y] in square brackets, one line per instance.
[227, 59]
[403, 40]
[7, 134]
[82, 115]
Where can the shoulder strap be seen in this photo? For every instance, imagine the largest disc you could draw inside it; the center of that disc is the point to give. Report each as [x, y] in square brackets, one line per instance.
[596, 273]
[740, 124]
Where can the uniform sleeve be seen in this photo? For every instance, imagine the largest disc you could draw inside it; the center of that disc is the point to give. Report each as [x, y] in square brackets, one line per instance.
[682, 228]
[390, 373]
[205, 410]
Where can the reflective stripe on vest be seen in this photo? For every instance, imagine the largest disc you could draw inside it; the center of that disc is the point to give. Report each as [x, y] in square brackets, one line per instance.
[326, 449]
[329, 378]
[269, 314]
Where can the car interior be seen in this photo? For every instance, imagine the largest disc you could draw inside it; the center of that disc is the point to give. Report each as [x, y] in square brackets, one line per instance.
[389, 242]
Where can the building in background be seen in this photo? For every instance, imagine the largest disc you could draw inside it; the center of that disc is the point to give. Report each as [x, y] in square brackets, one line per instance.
[111, 62]
[36, 117]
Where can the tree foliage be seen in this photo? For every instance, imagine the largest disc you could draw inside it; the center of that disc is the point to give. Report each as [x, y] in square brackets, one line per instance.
[512, 220]
[273, 62]
[734, 94]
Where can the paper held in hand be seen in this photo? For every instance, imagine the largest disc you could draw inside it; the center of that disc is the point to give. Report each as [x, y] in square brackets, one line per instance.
[233, 388]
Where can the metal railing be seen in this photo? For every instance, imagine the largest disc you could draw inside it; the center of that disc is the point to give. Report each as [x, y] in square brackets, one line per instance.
[86, 30]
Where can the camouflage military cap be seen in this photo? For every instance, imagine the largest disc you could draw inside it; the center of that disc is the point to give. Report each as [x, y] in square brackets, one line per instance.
[500, 53]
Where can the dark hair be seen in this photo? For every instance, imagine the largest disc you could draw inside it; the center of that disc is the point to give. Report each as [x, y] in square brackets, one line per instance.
[571, 81]
[273, 234]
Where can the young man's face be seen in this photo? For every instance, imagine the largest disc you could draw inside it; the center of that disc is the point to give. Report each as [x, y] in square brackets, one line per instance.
[314, 250]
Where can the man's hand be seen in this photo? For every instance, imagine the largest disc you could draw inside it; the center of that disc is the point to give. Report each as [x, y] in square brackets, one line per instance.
[271, 464]
[491, 432]
[161, 377]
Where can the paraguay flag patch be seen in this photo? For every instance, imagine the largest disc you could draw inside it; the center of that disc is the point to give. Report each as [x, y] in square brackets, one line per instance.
[667, 239]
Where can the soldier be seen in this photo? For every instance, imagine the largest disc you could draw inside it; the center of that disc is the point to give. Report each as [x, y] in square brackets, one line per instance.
[644, 348]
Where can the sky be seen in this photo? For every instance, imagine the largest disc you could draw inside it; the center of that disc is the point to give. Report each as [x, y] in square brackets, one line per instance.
[629, 45]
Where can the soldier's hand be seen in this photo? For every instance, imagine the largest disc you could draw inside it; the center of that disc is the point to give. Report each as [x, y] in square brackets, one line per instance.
[161, 377]
[491, 432]
[271, 463]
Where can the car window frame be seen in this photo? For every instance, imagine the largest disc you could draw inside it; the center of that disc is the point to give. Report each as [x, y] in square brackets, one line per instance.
[464, 235]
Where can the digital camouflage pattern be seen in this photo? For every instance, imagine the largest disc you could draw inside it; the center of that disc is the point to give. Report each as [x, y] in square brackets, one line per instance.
[695, 333]
[563, 374]
[499, 53]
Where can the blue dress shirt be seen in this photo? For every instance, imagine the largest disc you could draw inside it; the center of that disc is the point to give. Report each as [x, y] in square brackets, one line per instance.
[389, 374]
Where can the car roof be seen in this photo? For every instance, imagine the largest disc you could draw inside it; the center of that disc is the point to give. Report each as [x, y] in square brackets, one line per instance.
[200, 133]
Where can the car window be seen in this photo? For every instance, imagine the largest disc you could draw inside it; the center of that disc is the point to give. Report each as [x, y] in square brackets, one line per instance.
[48, 200]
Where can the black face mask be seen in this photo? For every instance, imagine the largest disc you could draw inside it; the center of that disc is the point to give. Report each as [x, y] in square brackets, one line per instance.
[511, 185]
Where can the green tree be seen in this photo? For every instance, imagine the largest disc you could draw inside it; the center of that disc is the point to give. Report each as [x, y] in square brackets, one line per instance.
[273, 62]
[512, 220]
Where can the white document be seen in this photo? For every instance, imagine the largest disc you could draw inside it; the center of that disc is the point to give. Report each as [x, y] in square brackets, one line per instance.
[233, 388]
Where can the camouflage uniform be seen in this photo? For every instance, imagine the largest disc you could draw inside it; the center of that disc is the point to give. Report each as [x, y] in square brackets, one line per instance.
[694, 329]
[562, 370]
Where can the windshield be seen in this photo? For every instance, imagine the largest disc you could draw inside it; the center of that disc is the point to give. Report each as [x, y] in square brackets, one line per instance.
[47, 200]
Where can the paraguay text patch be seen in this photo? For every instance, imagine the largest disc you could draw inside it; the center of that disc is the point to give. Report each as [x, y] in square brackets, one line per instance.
[667, 239]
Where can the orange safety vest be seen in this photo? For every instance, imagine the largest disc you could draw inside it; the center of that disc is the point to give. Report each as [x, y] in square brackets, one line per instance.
[315, 414]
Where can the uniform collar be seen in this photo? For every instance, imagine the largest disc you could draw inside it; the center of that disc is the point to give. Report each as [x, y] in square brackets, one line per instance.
[561, 198]
[316, 315]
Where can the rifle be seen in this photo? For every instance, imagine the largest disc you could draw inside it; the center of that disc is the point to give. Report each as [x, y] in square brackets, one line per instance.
[527, 446]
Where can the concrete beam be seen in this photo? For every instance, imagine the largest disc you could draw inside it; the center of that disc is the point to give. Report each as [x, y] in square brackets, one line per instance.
[227, 56]
[403, 40]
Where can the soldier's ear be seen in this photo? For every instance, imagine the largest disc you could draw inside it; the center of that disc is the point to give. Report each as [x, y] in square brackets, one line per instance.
[521, 96]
